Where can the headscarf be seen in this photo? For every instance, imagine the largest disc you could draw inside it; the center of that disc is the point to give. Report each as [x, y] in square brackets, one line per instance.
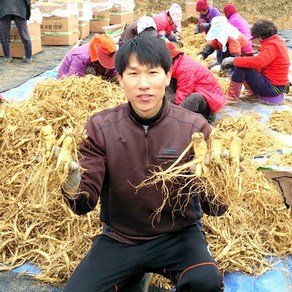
[220, 30]
[145, 22]
[102, 48]
[175, 13]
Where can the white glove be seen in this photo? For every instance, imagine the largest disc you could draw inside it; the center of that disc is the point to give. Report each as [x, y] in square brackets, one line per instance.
[200, 57]
[73, 179]
[74, 175]
[204, 25]
[228, 61]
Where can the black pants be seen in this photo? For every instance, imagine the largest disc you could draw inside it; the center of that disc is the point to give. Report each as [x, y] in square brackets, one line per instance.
[194, 102]
[21, 24]
[183, 257]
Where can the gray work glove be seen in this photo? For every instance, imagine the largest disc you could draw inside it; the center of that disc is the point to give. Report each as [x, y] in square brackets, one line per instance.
[74, 175]
[228, 61]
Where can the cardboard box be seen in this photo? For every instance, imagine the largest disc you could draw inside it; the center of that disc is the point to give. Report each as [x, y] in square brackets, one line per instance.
[83, 29]
[97, 25]
[190, 9]
[57, 9]
[119, 17]
[101, 14]
[17, 48]
[59, 24]
[60, 39]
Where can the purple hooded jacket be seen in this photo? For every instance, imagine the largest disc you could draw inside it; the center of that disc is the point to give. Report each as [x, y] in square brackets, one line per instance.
[242, 25]
[76, 62]
[212, 12]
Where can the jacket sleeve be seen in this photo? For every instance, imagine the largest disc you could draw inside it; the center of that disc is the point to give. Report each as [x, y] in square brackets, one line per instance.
[128, 33]
[211, 206]
[258, 62]
[234, 47]
[76, 67]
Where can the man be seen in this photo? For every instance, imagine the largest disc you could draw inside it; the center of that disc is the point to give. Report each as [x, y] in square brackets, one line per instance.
[123, 146]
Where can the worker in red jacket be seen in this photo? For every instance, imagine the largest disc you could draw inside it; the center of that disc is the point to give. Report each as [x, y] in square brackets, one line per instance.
[265, 75]
[193, 86]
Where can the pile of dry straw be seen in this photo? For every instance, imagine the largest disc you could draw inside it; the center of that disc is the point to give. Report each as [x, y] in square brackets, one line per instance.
[37, 226]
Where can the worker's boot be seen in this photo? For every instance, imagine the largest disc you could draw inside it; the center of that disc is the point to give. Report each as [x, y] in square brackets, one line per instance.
[248, 94]
[6, 53]
[233, 92]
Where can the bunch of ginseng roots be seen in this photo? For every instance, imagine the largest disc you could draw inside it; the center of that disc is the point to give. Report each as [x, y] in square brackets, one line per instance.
[35, 223]
[37, 226]
[257, 224]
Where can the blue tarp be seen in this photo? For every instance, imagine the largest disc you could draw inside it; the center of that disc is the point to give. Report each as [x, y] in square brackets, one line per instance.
[278, 279]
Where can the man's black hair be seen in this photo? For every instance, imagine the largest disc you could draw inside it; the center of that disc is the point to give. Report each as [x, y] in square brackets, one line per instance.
[264, 28]
[149, 51]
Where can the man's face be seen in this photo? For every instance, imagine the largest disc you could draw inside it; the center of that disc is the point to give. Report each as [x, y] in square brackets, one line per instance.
[144, 87]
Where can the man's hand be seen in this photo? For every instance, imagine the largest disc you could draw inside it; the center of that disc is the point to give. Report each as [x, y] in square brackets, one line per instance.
[228, 61]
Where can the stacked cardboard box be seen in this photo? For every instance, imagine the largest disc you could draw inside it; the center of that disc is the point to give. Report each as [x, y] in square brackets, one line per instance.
[59, 22]
[190, 9]
[122, 11]
[100, 18]
[85, 14]
[16, 45]
[59, 31]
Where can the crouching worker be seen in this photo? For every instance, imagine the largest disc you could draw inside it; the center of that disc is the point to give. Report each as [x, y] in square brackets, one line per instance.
[145, 25]
[226, 39]
[207, 13]
[265, 75]
[193, 86]
[96, 58]
[139, 135]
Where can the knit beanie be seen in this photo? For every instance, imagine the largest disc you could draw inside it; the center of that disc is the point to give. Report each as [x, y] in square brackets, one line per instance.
[202, 5]
[229, 9]
[173, 50]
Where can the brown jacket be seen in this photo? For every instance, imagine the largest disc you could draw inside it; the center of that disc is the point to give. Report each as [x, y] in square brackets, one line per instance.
[120, 153]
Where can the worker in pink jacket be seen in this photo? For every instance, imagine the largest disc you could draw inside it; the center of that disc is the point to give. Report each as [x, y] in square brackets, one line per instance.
[168, 22]
[237, 20]
[193, 85]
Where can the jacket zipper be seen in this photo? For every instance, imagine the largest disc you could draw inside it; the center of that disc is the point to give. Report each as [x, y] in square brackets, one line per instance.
[146, 147]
